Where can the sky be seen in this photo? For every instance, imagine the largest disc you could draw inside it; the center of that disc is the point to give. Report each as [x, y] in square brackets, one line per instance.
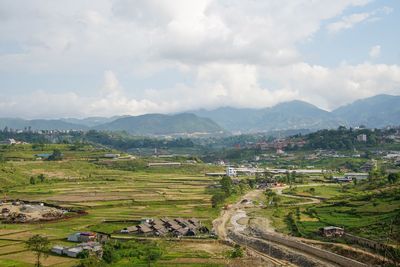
[81, 58]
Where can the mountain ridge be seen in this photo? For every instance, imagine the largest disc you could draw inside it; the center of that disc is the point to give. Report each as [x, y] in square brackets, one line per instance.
[374, 112]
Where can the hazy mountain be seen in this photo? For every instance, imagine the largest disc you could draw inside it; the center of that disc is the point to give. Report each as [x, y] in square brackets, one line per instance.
[92, 121]
[374, 112]
[39, 124]
[289, 115]
[159, 124]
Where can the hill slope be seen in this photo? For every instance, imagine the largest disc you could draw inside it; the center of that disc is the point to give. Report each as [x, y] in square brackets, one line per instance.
[374, 112]
[289, 115]
[16, 123]
[159, 124]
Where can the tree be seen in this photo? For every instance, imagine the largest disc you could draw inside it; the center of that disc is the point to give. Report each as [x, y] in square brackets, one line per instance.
[57, 155]
[237, 252]
[392, 178]
[39, 245]
[32, 180]
[109, 254]
[151, 253]
[276, 200]
[90, 261]
[227, 185]
[312, 190]
[41, 177]
[217, 199]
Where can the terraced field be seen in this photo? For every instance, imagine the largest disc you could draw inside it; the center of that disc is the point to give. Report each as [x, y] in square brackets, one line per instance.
[110, 195]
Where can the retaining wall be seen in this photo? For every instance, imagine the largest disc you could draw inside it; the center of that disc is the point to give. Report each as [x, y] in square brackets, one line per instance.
[276, 251]
[289, 242]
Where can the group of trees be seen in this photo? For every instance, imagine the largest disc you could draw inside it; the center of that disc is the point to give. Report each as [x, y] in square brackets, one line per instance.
[56, 155]
[272, 197]
[113, 251]
[38, 179]
[342, 138]
[125, 141]
[228, 188]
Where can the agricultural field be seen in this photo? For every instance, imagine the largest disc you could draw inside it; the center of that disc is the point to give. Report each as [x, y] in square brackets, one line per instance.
[366, 210]
[111, 192]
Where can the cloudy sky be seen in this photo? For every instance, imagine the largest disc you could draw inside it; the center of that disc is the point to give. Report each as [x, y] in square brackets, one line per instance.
[80, 58]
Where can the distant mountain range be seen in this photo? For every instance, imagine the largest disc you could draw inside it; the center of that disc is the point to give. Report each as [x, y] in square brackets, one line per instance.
[149, 124]
[285, 116]
[374, 112]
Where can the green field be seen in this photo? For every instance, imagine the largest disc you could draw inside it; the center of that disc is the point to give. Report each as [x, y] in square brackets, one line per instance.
[109, 190]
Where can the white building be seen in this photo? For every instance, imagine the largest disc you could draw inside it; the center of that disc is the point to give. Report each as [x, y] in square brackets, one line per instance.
[57, 249]
[231, 172]
[356, 175]
[362, 138]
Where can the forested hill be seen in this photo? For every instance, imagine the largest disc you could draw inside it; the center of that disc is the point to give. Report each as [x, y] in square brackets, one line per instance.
[159, 124]
[346, 138]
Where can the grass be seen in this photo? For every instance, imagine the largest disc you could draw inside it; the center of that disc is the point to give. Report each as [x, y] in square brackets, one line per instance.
[324, 191]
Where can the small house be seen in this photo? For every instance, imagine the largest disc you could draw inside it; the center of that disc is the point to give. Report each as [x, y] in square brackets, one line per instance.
[331, 231]
[342, 179]
[144, 229]
[180, 232]
[82, 237]
[57, 249]
[73, 252]
[129, 229]
[356, 175]
[87, 237]
[74, 237]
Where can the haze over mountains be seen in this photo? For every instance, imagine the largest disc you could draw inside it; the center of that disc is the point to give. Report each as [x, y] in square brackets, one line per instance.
[374, 112]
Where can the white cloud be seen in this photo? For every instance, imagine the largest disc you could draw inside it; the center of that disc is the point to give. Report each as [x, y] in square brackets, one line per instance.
[333, 87]
[230, 53]
[375, 51]
[348, 22]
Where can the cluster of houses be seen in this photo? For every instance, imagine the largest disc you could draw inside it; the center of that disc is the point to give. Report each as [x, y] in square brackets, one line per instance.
[75, 251]
[88, 242]
[161, 227]
[12, 141]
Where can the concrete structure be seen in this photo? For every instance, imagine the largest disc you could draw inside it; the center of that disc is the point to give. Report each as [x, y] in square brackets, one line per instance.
[73, 252]
[82, 237]
[342, 179]
[112, 156]
[356, 175]
[57, 249]
[163, 164]
[231, 172]
[362, 138]
[215, 174]
[331, 231]
[299, 259]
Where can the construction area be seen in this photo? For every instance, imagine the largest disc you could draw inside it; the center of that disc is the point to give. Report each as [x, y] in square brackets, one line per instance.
[20, 212]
